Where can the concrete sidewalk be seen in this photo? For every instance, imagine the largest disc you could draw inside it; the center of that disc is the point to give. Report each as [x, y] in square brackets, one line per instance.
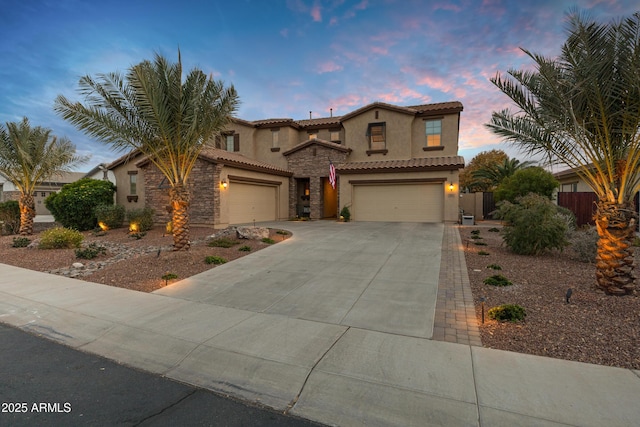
[326, 325]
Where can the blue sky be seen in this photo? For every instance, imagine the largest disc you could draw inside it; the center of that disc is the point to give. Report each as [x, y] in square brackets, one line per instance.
[286, 57]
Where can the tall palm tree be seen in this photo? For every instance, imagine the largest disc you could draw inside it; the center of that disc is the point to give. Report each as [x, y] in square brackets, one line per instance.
[495, 173]
[582, 109]
[29, 156]
[153, 110]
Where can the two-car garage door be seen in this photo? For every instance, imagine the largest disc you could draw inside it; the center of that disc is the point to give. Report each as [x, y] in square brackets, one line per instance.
[415, 202]
[252, 202]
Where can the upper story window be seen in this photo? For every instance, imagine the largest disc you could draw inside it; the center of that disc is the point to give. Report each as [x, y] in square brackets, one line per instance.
[313, 135]
[434, 132]
[275, 138]
[334, 136]
[229, 142]
[377, 136]
[232, 142]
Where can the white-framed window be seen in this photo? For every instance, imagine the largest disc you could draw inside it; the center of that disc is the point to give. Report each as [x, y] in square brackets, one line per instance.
[570, 188]
[229, 142]
[433, 130]
[133, 184]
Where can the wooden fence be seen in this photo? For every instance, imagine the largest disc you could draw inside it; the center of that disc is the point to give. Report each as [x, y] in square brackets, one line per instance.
[582, 204]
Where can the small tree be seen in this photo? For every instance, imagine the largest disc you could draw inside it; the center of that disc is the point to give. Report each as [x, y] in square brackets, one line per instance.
[532, 225]
[524, 181]
[74, 206]
[485, 159]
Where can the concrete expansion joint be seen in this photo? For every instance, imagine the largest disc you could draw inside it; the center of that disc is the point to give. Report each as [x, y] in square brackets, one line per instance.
[293, 402]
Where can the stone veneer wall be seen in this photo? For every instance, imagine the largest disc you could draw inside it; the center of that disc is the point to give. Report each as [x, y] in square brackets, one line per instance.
[312, 162]
[202, 185]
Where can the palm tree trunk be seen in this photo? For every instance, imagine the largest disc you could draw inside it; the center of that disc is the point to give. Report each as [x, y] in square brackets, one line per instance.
[27, 213]
[179, 198]
[614, 261]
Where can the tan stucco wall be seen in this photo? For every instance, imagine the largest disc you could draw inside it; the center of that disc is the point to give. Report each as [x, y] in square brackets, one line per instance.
[451, 198]
[122, 185]
[282, 193]
[449, 136]
[581, 187]
[398, 135]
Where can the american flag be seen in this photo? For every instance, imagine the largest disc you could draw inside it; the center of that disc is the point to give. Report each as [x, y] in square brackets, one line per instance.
[332, 175]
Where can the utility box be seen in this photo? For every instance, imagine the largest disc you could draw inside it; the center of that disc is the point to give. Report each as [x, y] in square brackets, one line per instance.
[468, 220]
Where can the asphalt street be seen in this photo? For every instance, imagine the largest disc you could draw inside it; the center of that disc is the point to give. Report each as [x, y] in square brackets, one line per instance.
[43, 383]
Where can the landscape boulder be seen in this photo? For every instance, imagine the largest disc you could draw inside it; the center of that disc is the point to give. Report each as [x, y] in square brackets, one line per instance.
[253, 233]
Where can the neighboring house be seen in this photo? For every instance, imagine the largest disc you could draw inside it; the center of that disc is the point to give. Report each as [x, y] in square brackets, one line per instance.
[576, 195]
[8, 191]
[392, 164]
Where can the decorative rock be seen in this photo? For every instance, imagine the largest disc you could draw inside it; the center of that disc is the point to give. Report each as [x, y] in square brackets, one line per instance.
[77, 265]
[254, 233]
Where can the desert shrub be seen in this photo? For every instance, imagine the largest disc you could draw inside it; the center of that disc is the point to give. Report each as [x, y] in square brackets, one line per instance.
[345, 213]
[268, 240]
[497, 280]
[9, 217]
[494, 230]
[142, 217]
[111, 215]
[507, 313]
[476, 237]
[168, 276]
[480, 243]
[21, 242]
[91, 251]
[475, 232]
[483, 253]
[223, 242]
[282, 232]
[568, 217]
[532, 225]
[494, 267]
[60, 238]
[584, 244]
[138, 235]
[73, 206]
[533, 179]
[214, 259]
[244, 248]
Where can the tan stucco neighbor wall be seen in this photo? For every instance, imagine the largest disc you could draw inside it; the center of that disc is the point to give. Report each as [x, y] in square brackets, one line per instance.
[123, 194]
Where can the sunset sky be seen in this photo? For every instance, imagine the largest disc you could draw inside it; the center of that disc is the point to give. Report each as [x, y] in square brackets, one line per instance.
[286, 58]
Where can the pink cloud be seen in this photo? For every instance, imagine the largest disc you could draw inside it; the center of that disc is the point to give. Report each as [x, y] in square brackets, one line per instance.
[328, 67]
[316, 13]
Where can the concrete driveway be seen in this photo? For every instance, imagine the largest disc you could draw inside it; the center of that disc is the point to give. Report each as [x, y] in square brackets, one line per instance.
[374, 276]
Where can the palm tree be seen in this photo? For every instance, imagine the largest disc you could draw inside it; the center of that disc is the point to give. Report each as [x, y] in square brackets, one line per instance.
[29, 156]
[154, 111]
[495, 173]
[582, 110]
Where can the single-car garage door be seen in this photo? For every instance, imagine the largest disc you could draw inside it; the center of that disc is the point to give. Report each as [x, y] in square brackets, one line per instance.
[398, 202]
[252, 202]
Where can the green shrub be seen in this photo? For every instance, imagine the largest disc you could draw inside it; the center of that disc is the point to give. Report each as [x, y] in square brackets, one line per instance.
[73, 206]
[497, 280]
[532, 225]
[245, 248]
[143, 218]
[60, 238]
[480, 243]
[21, 242]
[138, 235]
[282, 232]
[533, 179]
[636, 241]
[223, 242]
[507, 313]
[475, 232]
[345, 213]
[110, 215]
[568, 217]
[268, 241]
[91, 251]
[168, 276]
[494, 230]
[476, 237]
[483, 253]
[584, 244]
[213, 259]
[10, 217]
[494, 267]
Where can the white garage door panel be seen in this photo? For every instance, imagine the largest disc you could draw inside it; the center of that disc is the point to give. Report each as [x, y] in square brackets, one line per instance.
[250, 202]
[398, 203]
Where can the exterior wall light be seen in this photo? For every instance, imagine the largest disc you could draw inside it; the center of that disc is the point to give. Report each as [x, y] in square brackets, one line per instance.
[224, 183]
[451, 186]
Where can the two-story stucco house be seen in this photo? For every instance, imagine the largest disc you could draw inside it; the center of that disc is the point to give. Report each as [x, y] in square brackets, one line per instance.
[392, 163]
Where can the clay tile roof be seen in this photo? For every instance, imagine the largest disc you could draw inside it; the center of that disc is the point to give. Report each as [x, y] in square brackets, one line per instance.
[425, 163]
[441, 106]
[238, 160]
[323, 121]
[320, 142]
[275, 121]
